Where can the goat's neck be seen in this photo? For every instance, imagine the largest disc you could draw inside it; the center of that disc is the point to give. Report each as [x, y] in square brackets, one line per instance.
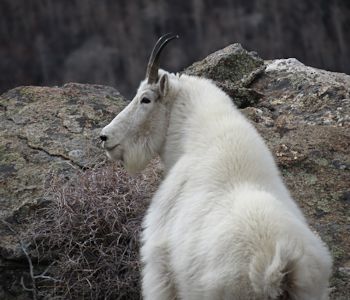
[173, 147]
[188, 117]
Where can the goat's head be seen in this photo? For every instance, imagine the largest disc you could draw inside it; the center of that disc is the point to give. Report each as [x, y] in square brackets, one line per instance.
[138, 132]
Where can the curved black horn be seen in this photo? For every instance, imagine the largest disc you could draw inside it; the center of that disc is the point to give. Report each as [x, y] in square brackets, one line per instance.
[153, 63]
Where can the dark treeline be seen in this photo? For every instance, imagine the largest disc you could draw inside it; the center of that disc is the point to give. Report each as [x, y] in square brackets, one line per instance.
[47, 42]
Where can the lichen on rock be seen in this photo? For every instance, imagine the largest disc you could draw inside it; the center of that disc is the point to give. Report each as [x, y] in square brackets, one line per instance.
[44, 131]
[303, 114]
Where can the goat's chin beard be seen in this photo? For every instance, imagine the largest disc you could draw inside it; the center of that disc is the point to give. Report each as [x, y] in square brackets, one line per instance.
[137, 159]
[115, 155]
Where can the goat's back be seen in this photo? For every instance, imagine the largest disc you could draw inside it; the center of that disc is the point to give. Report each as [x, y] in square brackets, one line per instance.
[246, 245]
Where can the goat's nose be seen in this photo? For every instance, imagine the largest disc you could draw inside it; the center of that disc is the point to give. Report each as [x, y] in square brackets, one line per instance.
[103, 137]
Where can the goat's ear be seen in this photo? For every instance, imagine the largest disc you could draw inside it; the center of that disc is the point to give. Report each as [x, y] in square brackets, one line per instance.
[163, 85]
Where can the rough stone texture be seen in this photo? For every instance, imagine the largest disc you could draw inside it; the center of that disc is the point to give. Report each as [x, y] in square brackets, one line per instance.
[305, 117]
[302, 112]
[44, 131]
[233, 69]
[47, 129]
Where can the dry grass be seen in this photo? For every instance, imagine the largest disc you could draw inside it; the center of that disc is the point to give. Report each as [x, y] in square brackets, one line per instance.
[90, 230]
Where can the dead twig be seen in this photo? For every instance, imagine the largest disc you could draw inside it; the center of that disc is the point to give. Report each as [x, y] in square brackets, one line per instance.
[91, 231]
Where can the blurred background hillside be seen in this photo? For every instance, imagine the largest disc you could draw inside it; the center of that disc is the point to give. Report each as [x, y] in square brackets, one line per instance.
[47, 42]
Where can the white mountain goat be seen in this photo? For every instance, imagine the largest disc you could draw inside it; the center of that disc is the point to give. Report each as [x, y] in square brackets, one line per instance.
[222, 224]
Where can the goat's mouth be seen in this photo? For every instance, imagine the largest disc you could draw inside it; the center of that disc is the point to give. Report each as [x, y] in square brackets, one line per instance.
[114, 152]
[109, 148]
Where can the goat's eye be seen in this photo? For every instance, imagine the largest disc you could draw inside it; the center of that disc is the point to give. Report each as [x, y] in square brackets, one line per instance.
[145, 100]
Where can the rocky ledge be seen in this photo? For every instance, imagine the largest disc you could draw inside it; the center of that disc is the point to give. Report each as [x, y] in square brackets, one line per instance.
[302, 112]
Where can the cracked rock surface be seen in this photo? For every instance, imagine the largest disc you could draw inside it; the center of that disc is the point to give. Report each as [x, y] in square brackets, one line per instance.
[233, 69]
[305, 118]
[302, 112]
[45, 130]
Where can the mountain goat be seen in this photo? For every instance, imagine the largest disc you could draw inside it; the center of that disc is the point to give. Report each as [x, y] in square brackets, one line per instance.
[222, 224]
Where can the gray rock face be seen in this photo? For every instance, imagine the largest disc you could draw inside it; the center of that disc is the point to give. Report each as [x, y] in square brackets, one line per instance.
[232, 69]
[44, 131]
[302, 112]
[305, 118]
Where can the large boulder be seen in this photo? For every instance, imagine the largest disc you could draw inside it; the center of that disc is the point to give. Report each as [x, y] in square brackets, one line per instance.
[302, 112]
[45, 131]
[232, 69]
[305, 118]
[48, 129]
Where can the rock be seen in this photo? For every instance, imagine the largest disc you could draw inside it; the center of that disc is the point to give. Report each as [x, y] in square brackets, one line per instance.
[44, 131]
[304, 115]
[49, 129]
[311, 142]
[302, 112]
[303, 90]
[229, 64]
[233, 69]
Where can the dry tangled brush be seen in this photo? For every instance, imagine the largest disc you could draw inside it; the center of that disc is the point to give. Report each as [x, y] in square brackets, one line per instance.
[90, 230]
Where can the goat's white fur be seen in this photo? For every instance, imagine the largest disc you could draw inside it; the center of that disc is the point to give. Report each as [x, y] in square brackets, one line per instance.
[222, 224]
